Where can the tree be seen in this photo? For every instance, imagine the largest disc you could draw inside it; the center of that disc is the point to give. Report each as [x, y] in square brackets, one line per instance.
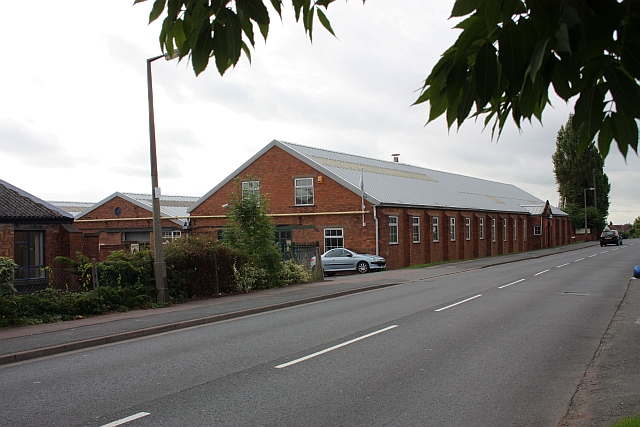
[251, 231]
[510, 52]
[508, 55]
[635, 229]
[576, 172]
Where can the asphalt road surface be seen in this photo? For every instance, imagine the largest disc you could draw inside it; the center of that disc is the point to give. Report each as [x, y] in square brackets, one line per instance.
[501, 346]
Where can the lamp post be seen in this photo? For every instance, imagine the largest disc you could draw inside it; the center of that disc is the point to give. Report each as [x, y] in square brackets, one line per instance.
[159, 266]
[585, 211]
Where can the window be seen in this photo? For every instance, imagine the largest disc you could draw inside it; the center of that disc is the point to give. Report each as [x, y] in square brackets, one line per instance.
[333, 238]
[493, 229]
[29, 254]
[452, 229]
[481, 221]
[393, 229]
[515, 230]
[168, 236]
[467, 228]
[416, 229]
[504, 230]
[251, 189]
[436, 231]
[537, 230]
[304, 191]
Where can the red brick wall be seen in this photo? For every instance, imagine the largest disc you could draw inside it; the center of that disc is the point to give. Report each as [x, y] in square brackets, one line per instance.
[6, 240]
[276, 171]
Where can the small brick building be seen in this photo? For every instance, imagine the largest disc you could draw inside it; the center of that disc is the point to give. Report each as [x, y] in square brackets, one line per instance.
[33, 232]
[124, 221]
[408, 214]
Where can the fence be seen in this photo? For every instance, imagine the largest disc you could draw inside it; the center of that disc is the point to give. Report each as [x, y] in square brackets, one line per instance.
[301, 253]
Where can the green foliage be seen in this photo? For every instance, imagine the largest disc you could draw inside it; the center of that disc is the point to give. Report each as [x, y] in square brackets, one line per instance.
[252, 232]
[293, 273]
[53, 305]
[575, 172]
[221, 30]
[249, 277]
[7, 269]
[628, 422]
[595, 219]
[198, 266]
[635, 228]
[510, 52]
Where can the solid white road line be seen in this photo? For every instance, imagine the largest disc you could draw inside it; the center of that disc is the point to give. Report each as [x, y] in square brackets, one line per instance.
[563, 265]
[459, 302]
[127, 419]
[578, 260]
[302, 359]
[512, 283]
[542, 272]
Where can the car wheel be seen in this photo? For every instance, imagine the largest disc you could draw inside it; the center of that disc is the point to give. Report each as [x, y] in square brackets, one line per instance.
[329, 273]
[363, 267]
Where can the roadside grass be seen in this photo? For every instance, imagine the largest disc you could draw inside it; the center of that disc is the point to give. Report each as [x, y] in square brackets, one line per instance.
[628, 422]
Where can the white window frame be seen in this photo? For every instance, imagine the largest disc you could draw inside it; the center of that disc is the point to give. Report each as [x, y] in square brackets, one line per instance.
[452, 229]
[515, 229]
[393, 230]
[169, 236]
[251, 187]
[304, 191]
[415, 222]
[336, 234]
[481, 226]
[493, 229]
[435, 228]
[504, 229]
[537, 230]
[467, 227]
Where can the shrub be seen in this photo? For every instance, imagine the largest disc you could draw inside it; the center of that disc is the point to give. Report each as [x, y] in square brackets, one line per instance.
[293, 273]
[198, 266]
[7, 268]
[249, 277]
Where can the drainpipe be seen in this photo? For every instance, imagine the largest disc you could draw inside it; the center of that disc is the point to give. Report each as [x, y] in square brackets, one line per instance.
[375, 218]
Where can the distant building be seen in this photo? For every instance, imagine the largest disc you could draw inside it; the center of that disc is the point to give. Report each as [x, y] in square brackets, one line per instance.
[408, 214]
[32, 233]
[125, 219]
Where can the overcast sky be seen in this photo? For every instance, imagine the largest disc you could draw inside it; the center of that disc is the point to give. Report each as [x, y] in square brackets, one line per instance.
[74, 118]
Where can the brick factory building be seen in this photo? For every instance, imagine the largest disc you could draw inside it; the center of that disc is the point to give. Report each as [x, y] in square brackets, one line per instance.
[408, 214]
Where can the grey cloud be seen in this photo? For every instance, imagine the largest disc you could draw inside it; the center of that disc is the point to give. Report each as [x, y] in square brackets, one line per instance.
[35, 148]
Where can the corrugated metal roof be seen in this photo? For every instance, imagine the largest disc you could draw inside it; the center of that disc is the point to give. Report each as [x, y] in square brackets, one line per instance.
[393, 183]
[170, 206]
[74, 208]
[390, 183]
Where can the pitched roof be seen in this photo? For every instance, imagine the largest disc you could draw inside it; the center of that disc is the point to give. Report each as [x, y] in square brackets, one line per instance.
[400, 184]
[170, 206]
[17, 205]
[74, 208]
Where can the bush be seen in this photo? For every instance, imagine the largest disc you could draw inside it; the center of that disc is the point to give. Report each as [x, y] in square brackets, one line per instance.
[293, 273]
[7, 268]
[198, 266]
[53, 305]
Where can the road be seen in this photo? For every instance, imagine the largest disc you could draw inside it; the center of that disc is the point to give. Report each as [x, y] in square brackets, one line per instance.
[500, 346]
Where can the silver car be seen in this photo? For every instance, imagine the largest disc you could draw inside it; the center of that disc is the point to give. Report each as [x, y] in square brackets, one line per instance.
[341, 259]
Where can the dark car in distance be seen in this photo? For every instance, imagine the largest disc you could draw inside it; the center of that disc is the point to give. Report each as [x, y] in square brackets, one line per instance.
[610, 237]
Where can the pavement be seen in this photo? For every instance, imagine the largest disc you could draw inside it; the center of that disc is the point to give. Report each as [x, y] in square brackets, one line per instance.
[609, 390]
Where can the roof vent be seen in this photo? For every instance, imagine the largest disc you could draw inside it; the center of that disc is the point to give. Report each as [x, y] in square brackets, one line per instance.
[395, 157]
